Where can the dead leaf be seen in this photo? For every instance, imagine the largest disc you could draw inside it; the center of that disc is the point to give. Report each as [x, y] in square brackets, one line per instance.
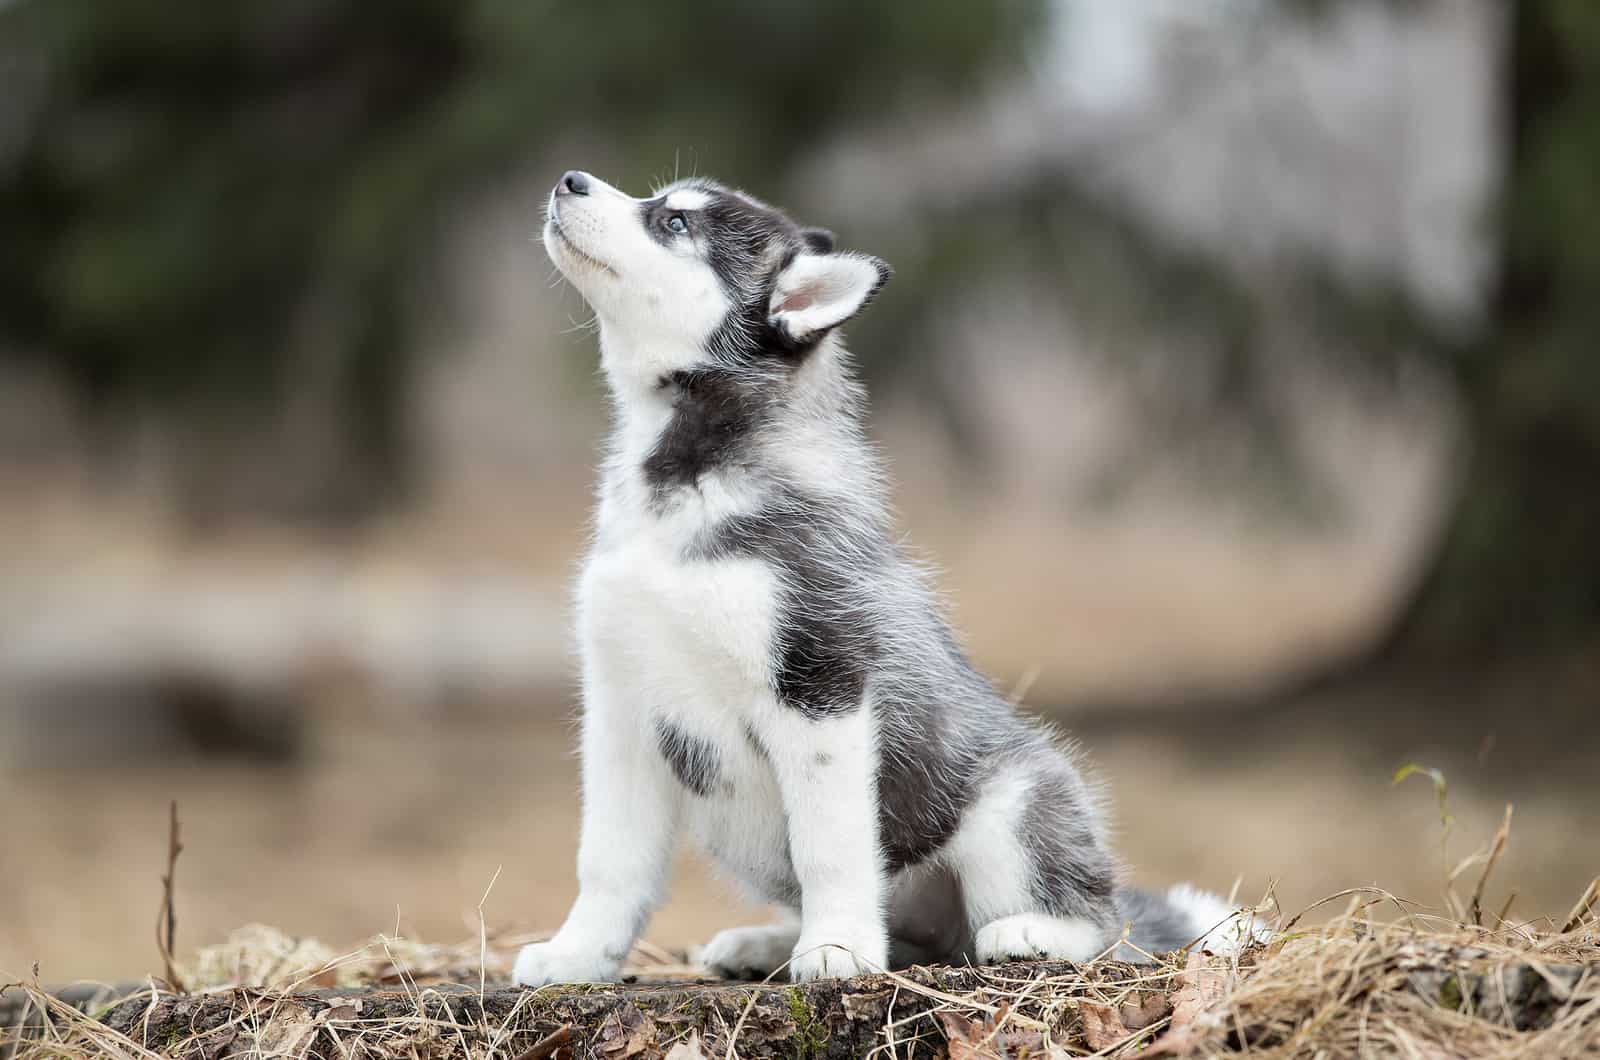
[213, 1045]
[284, 1034]
[626, 1032]
[1201, 988]
[1105, 1025]
[344, 1008]
[1032, 1045]
[1143, 1009]
[867, 1006]
[968, 1039]
[1102, 1025]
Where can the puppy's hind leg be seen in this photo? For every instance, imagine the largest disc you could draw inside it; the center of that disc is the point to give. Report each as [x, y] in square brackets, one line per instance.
[1036, 879]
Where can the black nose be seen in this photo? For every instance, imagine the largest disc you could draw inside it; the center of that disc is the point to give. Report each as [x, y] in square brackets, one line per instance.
[575, 182]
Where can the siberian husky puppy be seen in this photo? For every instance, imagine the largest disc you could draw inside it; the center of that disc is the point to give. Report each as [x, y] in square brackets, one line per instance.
[763, 667]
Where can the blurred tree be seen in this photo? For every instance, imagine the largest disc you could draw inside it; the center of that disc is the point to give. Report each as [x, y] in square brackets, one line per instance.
[1518, 564]
[1520, 561]
[186, 191]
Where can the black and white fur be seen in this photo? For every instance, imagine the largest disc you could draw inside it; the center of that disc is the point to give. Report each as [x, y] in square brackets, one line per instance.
[763, 667]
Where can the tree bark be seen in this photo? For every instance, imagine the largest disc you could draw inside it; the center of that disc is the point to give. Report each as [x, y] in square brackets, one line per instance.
[1519, 566]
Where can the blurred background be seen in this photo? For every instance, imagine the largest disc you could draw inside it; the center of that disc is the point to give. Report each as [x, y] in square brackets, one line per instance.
[1239, 375]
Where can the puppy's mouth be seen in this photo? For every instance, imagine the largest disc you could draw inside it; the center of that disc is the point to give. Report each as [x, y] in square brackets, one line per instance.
[571, 247]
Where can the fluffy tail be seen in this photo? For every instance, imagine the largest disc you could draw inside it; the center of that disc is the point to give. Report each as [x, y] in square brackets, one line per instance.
[1170, 921]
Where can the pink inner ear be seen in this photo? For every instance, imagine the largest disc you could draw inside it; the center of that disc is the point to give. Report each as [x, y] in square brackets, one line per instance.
[801, 299]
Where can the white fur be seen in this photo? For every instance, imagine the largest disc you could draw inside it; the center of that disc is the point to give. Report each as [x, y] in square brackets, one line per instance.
[986, 855]
[760, 949]
[631, 807]
[687, 199]
[1037, 935]
[1222, 929]
[656, 303]
[826, 770]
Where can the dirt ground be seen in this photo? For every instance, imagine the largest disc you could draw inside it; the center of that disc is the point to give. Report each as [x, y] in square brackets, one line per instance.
[405, 823]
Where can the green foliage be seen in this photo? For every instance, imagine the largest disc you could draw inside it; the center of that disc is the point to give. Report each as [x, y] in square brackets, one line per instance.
[810, 1038]
[181, 186]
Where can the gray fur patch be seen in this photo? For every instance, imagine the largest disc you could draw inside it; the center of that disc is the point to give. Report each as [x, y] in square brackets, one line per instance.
[753, 738]
[942, 728]
[713, 416]
[783, 889]
[778, 884]
[827, 643]
[1158, 925]
[746, 242]
[694, 761]
[1072, 873]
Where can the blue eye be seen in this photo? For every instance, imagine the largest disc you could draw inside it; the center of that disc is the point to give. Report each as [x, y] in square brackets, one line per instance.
[678, 224]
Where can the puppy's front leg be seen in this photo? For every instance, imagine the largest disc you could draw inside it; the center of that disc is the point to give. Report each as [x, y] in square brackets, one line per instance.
[630, 815]
[827, 772]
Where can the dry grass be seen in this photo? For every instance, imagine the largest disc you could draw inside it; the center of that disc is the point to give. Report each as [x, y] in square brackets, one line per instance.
[1415, 985]
[1382, 979]
[263, 958]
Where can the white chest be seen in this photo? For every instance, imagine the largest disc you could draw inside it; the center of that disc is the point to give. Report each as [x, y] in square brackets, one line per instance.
[685, 633]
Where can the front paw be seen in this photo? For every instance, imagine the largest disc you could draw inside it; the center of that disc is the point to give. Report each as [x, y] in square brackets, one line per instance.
[541, 963]
[834, 956]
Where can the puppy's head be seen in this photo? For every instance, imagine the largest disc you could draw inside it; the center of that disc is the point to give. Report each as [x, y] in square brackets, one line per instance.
[705, 270]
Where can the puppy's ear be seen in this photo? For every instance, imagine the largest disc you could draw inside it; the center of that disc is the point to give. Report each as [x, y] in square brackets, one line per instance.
[818, 240]
[817, 292]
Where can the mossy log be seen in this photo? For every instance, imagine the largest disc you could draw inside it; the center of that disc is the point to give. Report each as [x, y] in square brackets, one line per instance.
[1056, 1003]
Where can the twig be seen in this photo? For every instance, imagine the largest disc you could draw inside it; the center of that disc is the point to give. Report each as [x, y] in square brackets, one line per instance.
[167, 918]
[1505, 910]
[750, 1004]
[1581, 910]
[1495, 850]
[738, 1025]
[549, 1045]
